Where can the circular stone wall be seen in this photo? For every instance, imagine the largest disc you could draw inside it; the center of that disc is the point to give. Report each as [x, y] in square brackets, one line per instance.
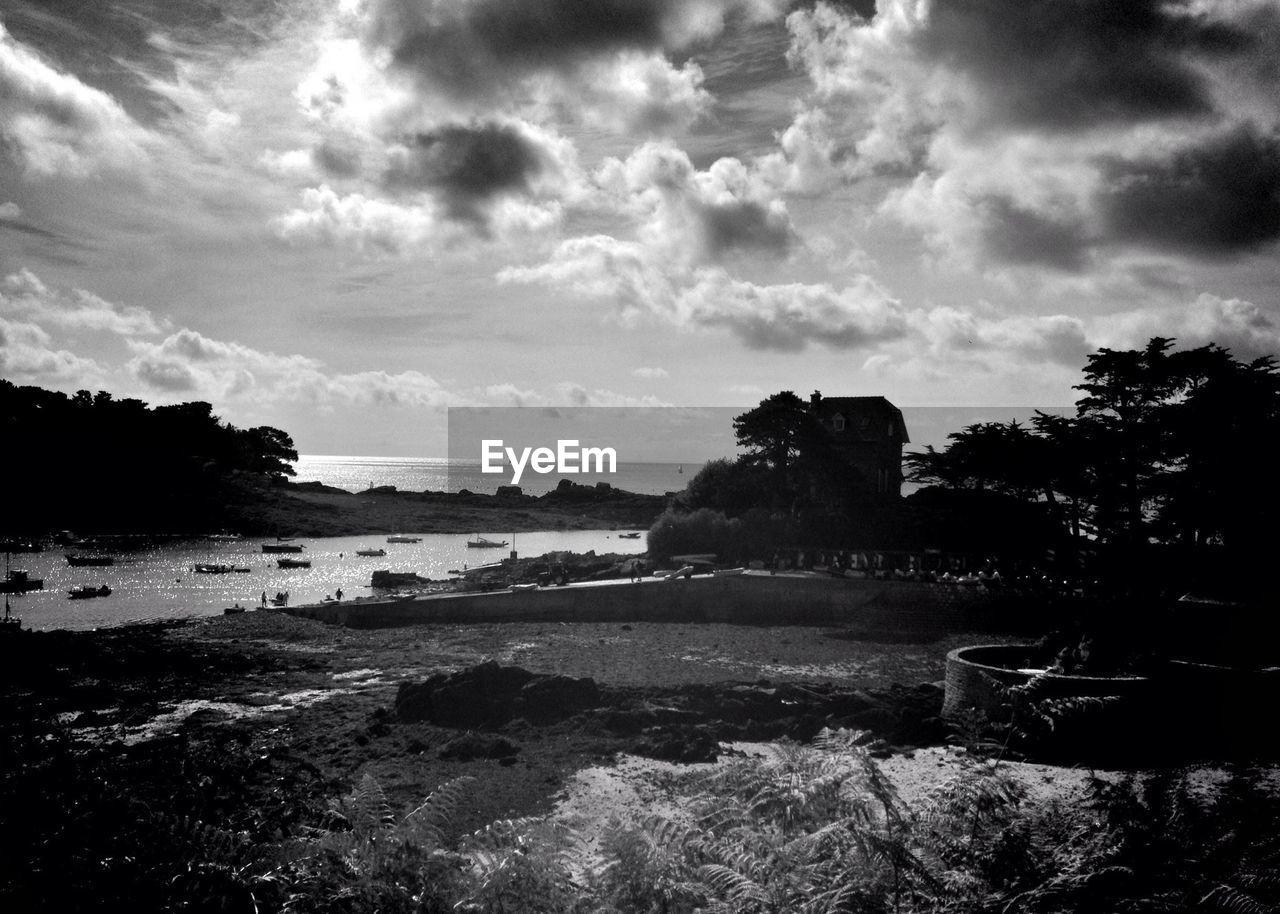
[976, 675]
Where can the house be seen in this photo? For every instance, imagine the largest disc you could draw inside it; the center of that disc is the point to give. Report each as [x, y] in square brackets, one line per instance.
[869, 433]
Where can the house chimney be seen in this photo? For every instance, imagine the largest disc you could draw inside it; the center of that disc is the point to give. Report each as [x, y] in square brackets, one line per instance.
[814, 399]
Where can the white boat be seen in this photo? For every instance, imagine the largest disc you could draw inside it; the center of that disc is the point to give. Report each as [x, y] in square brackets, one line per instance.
[481, 543]
[371, 553]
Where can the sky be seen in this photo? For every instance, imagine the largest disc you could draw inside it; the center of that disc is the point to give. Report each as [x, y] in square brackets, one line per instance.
[342, 217]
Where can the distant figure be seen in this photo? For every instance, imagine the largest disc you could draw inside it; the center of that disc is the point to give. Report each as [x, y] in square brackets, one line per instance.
[339, 593]
[264, 598]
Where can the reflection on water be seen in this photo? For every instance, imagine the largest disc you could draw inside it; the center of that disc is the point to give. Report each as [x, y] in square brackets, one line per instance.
[159, 582]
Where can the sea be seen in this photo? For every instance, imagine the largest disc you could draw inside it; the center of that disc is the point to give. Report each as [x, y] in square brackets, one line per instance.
[442, 474]
[159, 582]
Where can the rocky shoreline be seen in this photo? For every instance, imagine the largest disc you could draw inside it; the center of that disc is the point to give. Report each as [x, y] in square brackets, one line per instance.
[312, 509]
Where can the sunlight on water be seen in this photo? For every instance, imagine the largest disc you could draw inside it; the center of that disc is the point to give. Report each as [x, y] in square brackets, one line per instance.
[418, 474]
[159, 582]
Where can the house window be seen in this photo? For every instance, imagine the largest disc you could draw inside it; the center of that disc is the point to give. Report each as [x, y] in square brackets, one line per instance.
[837, 423]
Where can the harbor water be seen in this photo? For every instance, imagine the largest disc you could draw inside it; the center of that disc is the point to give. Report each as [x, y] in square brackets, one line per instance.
[159, 582]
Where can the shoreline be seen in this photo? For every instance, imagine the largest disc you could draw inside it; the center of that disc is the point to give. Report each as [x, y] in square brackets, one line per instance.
[313, 509]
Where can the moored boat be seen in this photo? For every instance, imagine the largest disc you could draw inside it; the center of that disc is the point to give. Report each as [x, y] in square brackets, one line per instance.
[401, 538]
[293, 563]
[628, 536]
[202, 568]
[282, 547]
[20, 582]
[95, 560]
[88, 592]
[481, 543]
[371, 553]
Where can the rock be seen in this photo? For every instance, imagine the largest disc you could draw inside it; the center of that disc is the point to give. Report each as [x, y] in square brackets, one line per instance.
[685, 747]
[548, 698]
[480, 696]
[879, 720]
[489, 695]
[628, 722]
[471, 745]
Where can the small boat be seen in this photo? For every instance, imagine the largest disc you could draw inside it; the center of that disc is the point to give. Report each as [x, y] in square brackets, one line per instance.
[20, 582]
[728, 572]
[241, 570]
[201, 568]
[88, 592]
[628, 536]
[371, 553]
[280, 599]
[98, 560]
[293, 563]
[281, 547]
[233, 610]
[481, 543]
[517, 588]
[401, 538]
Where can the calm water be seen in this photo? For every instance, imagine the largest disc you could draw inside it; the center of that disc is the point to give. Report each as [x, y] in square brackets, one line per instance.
[158, 583]
[418, 474]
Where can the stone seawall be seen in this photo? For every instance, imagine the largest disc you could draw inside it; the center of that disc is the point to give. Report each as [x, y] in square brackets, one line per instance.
[750, 599]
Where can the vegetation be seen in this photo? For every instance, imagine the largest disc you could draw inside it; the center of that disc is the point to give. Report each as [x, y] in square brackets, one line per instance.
[1163, 474]
[1168, 449]
[794, 829]
[91, 460]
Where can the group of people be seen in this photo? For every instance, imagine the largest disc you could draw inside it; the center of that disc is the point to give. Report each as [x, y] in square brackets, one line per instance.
[281, 598]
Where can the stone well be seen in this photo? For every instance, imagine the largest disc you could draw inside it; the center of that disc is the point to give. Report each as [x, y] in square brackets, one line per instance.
[975, 675]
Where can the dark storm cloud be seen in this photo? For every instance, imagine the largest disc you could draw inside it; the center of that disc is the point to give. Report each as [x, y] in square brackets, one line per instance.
[337, 159]
[745, 225]
[1217, 197]
[1014, 234]
[473, 48]
[1071, 63]
[467, 165]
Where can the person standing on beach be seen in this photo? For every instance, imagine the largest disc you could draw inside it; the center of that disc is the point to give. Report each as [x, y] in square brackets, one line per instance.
[264, 598]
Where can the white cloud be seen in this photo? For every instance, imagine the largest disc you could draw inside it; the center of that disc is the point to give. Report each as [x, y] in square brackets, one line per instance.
[643, 285]
[23, 294]
[361, 222]
[27, 356]
[10, 212]
[53, 124]
[1249, 330]
[188, 364]
[692, 215]
[650, 373]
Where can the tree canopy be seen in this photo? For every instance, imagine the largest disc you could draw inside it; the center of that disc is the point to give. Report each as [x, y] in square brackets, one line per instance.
[1167, 447]
[90, 459]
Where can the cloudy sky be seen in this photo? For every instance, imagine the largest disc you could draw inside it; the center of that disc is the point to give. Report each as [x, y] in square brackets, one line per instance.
[341, 216]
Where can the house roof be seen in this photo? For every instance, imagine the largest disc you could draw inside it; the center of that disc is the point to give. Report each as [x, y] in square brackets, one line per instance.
[851, 407]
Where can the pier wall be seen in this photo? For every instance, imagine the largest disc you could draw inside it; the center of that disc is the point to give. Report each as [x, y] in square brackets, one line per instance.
[750, 599]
